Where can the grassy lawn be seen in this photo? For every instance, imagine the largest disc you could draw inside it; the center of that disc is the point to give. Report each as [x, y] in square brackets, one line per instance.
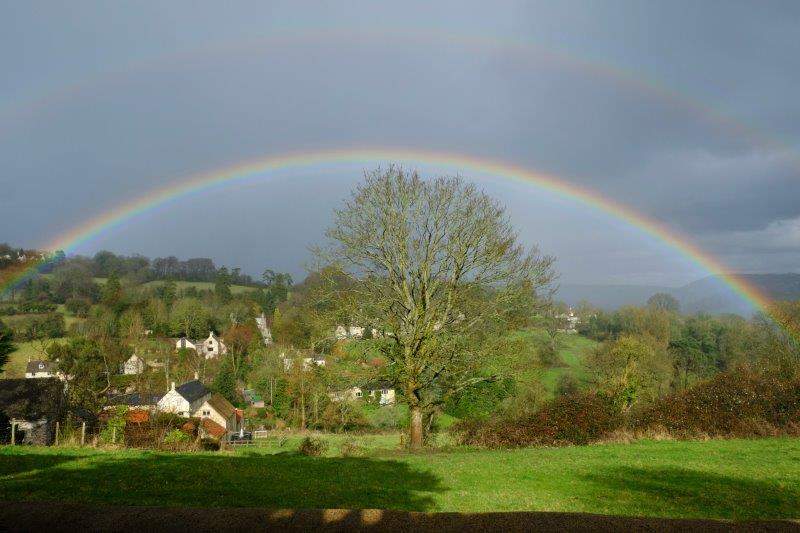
[572, 349]
[718, 479]
[199, 285]
[15, 368]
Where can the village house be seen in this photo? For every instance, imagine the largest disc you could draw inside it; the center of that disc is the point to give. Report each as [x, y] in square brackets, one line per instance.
[308, 362]
[383, 391]
[41, 369]
[210, 348]
[266, 333]
[132, 366]
[354, 332]
[195, 400]
[184, 400]
[38, 369]
[570, 322]
[33, 406]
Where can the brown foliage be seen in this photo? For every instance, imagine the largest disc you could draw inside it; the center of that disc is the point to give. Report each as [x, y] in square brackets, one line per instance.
[572, 419]
[742, 402]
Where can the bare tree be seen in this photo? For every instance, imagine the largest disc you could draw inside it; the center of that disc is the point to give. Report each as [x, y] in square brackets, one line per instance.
[430, 264]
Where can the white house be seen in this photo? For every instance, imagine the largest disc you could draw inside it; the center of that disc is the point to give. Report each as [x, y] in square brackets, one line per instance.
[570, 322]
[134, 365]
[381, 390]
[213, 346]
[186, 399]
[266, 333]
[350, 332]
[43, 369]
[220, 411]
[308, 362]
[193, 399]
[210, 348]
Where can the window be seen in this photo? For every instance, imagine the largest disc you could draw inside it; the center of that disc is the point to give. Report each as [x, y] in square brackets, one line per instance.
[206, 413]
[385, 391]
[358, 394]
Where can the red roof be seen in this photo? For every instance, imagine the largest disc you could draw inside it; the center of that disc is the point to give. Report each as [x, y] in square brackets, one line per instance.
[212, 428]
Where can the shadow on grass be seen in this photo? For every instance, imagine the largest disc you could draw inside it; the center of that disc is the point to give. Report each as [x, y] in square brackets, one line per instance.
[274, 481]
[683, 492]
[19, 464]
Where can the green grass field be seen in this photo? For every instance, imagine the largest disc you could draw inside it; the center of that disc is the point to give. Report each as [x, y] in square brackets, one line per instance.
[199, 285]
[572, 350]
[736, 479]
[15, 368]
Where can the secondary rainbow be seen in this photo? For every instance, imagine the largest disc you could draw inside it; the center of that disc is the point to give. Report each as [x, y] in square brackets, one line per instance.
[262, 168]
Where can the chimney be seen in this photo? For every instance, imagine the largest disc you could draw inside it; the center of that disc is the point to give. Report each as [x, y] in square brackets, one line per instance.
[172, 386]
[196, 376]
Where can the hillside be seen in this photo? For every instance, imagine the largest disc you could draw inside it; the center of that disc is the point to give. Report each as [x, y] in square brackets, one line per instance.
[199, 285]
[709, 295]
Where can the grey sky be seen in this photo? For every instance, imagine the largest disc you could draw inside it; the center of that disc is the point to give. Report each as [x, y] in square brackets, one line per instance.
[686, 112]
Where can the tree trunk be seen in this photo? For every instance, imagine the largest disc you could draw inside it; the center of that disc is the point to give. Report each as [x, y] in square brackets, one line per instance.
[415, 437]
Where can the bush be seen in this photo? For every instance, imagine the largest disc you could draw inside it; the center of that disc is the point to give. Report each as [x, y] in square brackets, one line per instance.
[114, 432]
[481, 399]
[350, 448]
[50, 326]
[78, 306]
[740, 402]
[176, 437]
[34, 307]
[572, 419]
[313, 447]
[387, 417]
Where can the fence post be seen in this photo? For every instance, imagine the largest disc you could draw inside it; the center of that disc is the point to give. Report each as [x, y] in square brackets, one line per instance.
[114, 434]
[57, 430]
[13, 432]
[83, 433]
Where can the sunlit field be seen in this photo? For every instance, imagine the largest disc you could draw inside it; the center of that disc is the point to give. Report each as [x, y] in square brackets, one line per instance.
[735, 479]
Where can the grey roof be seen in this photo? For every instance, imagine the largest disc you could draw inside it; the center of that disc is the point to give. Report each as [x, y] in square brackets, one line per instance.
[134, 399]
[192, 390]
[31, 399]
[41, 366]
[378, 385]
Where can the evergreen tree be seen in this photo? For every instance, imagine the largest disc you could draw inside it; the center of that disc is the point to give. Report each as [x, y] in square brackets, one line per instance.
[6, 346]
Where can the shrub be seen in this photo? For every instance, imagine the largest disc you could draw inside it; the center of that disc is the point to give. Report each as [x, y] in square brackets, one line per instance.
[49, 326]
[176, 437]
[78, 306]
[313, 447]
[481, 399]
[34, 307]
[387, 417]
[742, 402]
[572, 419]
[114, 432]
[350, 448]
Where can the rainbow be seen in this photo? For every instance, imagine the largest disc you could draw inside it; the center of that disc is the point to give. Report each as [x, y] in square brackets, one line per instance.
[262, 168]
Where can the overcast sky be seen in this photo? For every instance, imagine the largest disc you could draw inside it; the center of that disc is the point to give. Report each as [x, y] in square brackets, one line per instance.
[685, 111]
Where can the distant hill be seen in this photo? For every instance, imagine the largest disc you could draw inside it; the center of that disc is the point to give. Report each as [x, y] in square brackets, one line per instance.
[709, 295]
[608, 297]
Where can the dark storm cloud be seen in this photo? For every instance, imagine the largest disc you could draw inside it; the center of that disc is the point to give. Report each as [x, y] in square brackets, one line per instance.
[700, 133]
